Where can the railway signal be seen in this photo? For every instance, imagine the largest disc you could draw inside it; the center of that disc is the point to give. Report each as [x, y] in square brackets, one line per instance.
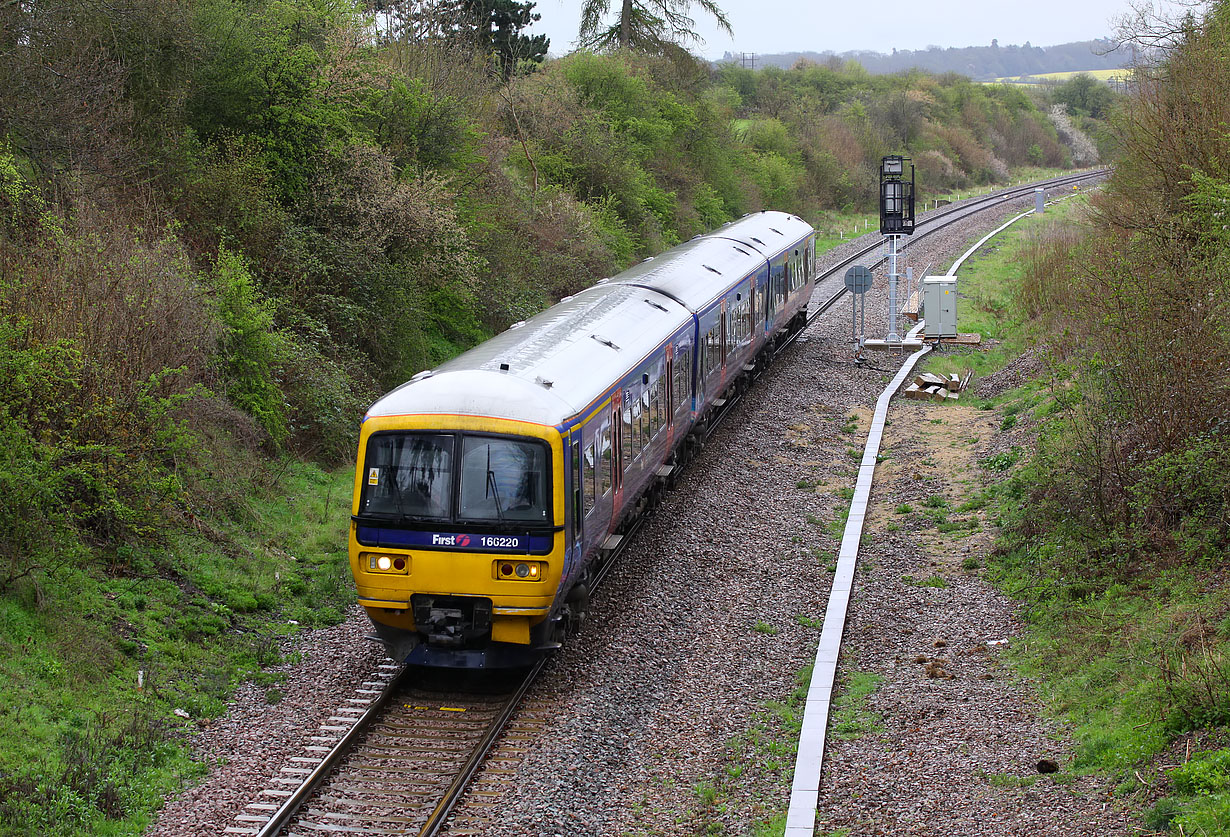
[896, 220]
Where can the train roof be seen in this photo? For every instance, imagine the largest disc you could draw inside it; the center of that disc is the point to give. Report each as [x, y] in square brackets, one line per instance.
[768, 232]
[552, 367]
[557, 363]
[700, 271]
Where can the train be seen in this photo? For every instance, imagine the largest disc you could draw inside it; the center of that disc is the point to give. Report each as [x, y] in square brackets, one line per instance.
[489, 491]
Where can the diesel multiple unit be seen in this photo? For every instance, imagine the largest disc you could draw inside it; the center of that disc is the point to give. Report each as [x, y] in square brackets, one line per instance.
[488, 490]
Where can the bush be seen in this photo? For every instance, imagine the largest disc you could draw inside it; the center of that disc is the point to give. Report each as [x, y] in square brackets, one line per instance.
[248, 346]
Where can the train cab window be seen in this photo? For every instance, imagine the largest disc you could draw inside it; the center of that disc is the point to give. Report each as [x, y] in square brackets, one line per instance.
[503, 479]
[409, 475]
[590, 478]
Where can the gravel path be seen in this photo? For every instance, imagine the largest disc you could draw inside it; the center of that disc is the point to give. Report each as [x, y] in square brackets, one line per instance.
[668, 717]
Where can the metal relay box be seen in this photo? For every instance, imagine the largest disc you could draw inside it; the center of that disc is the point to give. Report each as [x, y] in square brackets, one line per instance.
[939, 295]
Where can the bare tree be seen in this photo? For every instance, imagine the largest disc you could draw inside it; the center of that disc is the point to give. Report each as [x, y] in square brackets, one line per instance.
[645, 25]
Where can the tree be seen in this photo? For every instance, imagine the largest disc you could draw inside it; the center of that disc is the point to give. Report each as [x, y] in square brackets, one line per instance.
[497, 29]
[645, 25]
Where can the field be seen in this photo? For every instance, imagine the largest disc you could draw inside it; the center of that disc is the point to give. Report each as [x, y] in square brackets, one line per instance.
[1041, 78]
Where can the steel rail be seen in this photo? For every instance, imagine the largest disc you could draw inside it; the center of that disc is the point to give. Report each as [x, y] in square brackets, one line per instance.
[459, 784]
[282, 816]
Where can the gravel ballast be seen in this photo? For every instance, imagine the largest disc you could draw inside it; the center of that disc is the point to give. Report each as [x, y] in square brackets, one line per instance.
[660, 715]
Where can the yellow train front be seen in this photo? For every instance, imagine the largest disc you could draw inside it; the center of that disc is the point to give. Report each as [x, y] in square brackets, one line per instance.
[454, 542]
[488, 491]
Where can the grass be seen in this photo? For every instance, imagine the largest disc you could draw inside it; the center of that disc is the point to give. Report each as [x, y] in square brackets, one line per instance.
[987, 282]
[765, 749]
[1200, 803]
[1127, 660]
[82, 748]
[850, 716]
[931, 581]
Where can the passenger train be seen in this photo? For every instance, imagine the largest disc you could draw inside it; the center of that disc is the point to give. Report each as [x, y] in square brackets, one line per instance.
[489, 491]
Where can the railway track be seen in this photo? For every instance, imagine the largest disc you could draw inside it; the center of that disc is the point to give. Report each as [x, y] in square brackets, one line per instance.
[398, 768]
[931, 222]
[397, 758]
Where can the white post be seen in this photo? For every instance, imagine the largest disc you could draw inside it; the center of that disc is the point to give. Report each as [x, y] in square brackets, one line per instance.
[909, 285]
[893, 337]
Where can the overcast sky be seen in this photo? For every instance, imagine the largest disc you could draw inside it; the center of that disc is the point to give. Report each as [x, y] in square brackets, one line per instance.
[770, 26]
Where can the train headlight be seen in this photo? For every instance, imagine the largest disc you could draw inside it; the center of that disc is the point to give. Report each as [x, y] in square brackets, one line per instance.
[519, 570]
[380, 562]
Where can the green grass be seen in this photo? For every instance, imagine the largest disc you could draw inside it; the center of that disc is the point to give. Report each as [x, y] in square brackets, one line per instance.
[931, 581]
[987, 283]
[82, 749]
[766, 749]
[1200, 804]
[850, 716]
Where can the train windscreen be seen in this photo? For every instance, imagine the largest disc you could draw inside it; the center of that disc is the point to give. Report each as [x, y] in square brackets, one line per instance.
[503, 479]
[409, 475]
[419, 477]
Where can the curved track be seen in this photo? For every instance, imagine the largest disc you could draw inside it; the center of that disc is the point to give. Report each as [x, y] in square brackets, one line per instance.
[398, 760]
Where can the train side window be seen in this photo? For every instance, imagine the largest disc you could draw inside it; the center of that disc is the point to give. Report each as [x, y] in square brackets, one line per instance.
[589, 478]
[646, 417]
[681, 384]
[663, 408]
[629, 451]
[655, 409]
[578, 492]
[606, 467]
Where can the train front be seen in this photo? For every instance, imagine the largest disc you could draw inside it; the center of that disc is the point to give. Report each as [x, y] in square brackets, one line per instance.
[456, 540]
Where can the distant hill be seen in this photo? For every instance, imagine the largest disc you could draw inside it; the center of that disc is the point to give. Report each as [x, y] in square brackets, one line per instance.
[981, 63]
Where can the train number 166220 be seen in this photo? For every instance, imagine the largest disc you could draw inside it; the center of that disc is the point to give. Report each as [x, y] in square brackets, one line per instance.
[498, 542]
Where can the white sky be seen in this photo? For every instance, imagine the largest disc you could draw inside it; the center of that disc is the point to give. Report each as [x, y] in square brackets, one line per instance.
[771, 26]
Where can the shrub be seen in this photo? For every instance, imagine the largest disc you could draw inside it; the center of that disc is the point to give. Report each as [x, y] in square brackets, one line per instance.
[248, 346]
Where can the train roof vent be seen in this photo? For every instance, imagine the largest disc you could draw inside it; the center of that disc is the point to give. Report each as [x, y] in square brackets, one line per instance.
[543, 382]
[566, 298]
[657, 305]
[741, 250]
[649, 259]
[426, 373]
[712, 269]
[605, 342]
[503, 367]
[779, 232]
[603, 281]
[516, 325]
[757, 240]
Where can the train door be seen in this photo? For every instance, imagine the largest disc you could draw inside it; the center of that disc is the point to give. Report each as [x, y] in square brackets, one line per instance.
[769, 296]
[725, 336]
[617, 450]
[578, 500]
[670, 394]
